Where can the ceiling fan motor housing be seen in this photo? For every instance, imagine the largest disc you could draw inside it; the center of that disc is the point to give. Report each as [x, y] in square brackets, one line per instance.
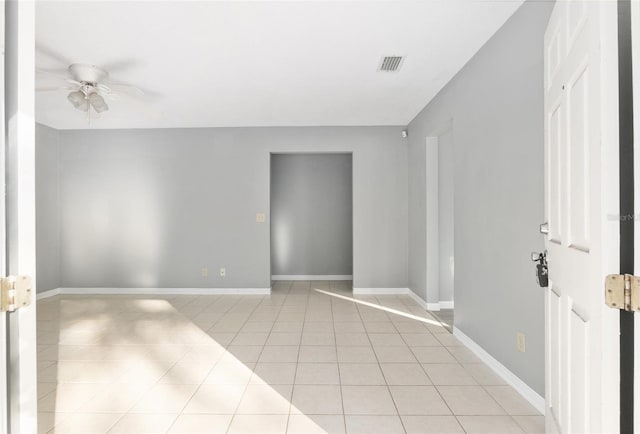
[88, 73]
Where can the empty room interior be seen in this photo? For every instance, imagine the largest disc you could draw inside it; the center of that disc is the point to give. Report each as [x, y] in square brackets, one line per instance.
[290, 217]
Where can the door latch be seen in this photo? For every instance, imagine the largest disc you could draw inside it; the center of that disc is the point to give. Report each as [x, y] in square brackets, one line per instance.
[542, 269]
[15, 292]
[622, 291]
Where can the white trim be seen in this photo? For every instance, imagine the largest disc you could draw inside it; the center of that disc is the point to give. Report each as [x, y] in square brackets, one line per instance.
[404, 291]
[512, 379]
[635, 42]
[154, 291]
[47, 294]
[432, 265]
[430, 306]
[439, 305]
[446, 304]
[423, 304]
[312, 277]
[20, 222]
[381, 291]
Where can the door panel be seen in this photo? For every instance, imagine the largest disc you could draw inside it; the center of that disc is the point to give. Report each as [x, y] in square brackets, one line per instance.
[576, 18]
[556, 128]
[554, 369]
[553, 50]
[578, 395]
[577, 81]
[578, 162]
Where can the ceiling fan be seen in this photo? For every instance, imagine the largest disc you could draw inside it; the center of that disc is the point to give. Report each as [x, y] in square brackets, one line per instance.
[89, 87]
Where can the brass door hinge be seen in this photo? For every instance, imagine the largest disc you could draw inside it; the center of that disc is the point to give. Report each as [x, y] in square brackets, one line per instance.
[622, 291]
[15, 292]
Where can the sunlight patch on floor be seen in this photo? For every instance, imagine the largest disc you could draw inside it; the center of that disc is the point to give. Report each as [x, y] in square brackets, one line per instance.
[384, 308]
[159, 363]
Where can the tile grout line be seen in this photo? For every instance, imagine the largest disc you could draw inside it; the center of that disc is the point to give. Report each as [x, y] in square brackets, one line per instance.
[428, 376]
[235, 412]
[215, 364]
[335, 343]
[380, 367]
[295, 371]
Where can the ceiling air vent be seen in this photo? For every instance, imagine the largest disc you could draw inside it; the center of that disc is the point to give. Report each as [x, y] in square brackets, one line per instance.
[390, 63]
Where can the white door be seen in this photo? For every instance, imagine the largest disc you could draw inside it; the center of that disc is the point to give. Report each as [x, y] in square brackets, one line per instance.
[581, 195]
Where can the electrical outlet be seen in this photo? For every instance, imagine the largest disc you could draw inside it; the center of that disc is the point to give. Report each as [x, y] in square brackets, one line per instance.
[223, 272]
[521, 342]
[261, 217]
[204, 272]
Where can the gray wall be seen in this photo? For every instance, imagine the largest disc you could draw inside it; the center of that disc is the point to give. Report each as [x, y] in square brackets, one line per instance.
[150, 208]
[311, 218]
[47, 209]
[496, 106]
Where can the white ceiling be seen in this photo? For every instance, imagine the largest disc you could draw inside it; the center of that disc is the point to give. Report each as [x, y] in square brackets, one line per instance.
[268, 63]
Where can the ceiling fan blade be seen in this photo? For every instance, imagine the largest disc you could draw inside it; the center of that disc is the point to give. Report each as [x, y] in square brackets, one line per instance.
[104, 90]
[126, 88]
[120, 65]
[140, 104]
[52, 89]
[74, 82]
[59, 74]
[53, 54]
[140, 93]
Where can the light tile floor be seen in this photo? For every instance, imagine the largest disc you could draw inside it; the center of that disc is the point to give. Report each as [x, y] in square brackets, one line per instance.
[309, 358]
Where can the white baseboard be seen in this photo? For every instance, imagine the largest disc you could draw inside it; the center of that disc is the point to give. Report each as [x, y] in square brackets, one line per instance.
[381, 291]
[512, 379]
[312, 277]
[154, 291]
[430, 306]
[439, 305]
[446, 304]
[404, 291]
[423, 304]
[47, 294]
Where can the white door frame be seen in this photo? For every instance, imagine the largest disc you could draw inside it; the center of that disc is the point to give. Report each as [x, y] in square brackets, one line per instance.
[635, 41]
[19, 122]
[432, 268]
[432, 232]
[627, 33]
[4, 416]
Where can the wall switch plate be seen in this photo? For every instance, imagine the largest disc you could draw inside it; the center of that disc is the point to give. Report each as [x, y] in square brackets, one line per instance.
[223, 272]
[261, 217]
[204, 272]
[521, 342]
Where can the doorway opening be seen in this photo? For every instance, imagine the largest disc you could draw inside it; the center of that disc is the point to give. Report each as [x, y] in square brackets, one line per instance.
[311, 206]
[440, 224]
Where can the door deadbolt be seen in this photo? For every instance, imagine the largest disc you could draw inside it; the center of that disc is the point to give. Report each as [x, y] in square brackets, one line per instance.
[542, 268]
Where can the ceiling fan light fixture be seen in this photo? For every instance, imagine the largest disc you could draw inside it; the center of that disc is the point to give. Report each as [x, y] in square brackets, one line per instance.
[78, 100]
[97, 102]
